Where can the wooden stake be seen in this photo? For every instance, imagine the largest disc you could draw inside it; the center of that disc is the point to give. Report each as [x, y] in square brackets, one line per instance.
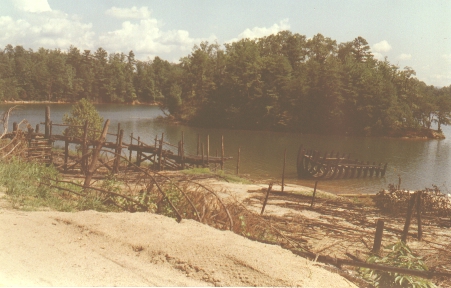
[118, 151]
[130, 153]
[408, 218]
[182, 150]
[222, 152]
[266, 198]
[313, 196]
[138, 153]
[378, 236]
[66, 154]
[160, 160]
[95, 155]
[37, 128]
[47, 122]
[208, 150]
[84, 149]
[283, 169]
[15, 126]
[420, 226]
[238, 162]
[203, 155]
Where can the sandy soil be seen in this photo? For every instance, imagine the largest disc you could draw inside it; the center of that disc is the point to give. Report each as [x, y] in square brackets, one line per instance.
[141, 249]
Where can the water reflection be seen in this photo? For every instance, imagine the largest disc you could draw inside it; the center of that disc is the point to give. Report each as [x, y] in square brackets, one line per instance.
[419, 163]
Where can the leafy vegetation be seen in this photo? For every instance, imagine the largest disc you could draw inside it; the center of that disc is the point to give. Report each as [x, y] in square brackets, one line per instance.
[401, 256]
[283, 81]
[81, 112]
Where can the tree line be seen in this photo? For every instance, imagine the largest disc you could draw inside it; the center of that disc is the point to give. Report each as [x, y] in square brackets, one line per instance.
[282, 82]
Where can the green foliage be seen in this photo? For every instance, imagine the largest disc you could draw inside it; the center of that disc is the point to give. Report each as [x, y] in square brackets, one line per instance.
[23, 188]
[81, 112]
[399, 255]
[278, 82]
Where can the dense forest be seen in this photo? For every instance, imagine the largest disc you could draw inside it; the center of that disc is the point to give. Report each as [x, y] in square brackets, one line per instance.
[282, 82]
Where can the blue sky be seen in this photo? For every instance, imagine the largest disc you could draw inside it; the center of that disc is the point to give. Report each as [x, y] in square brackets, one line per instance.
[410, 33]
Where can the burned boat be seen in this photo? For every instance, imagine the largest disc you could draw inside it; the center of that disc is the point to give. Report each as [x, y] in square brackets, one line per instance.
[314, 164]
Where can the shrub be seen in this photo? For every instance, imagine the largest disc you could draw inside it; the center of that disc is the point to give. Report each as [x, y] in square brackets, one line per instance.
[81, 112]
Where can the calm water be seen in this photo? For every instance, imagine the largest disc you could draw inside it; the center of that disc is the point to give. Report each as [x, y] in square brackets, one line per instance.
[420, 163]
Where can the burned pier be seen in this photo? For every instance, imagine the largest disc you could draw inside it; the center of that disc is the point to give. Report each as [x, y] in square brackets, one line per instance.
[314, 164]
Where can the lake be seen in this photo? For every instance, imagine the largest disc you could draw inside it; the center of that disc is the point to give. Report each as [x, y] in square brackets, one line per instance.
[419, 163]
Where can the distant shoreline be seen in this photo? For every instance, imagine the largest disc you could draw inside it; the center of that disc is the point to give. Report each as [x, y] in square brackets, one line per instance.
[71, 102]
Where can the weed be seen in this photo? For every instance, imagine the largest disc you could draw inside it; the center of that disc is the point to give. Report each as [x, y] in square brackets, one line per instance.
[400, 255]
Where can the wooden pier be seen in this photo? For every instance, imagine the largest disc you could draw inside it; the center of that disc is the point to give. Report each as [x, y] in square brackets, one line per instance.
[331, 165]
[160, 154]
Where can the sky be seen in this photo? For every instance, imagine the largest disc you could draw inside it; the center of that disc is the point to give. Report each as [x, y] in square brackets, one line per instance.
[410, 33]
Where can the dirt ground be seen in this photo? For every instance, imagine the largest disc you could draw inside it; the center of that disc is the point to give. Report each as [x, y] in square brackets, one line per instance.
[89, 248]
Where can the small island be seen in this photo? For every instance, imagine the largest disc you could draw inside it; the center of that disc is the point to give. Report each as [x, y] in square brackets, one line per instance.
[281, 82]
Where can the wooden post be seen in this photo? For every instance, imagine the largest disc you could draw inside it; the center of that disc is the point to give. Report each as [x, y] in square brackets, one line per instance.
[378, 236]
[50, 130]
[222, 152]
[47, 122]
[130, 152]
[283, 169]
[95, 155]
[208, 151]
[203, 155]
[37, 128]
[161, 153]
[420, 225]
[138, 153]
[216, 164]
[182, 150]
[238, 162]
[399, 182]
[15, 126]
[118, 151]
[66, 154]
[155, 154]
[266, 198]
[84, 148]
[313, 196]
[408, 218]
[198, 144]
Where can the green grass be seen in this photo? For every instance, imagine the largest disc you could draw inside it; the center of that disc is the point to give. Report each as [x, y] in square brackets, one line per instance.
[227, 177]
[24, 186]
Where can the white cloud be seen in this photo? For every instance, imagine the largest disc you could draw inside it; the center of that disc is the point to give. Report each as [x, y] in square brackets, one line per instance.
[147, 39]
[382, 46]
[258, 32]
[405, 56]
[378, 56]
[129, 13]
[48, 28]
[447, 57]
[34, 6]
